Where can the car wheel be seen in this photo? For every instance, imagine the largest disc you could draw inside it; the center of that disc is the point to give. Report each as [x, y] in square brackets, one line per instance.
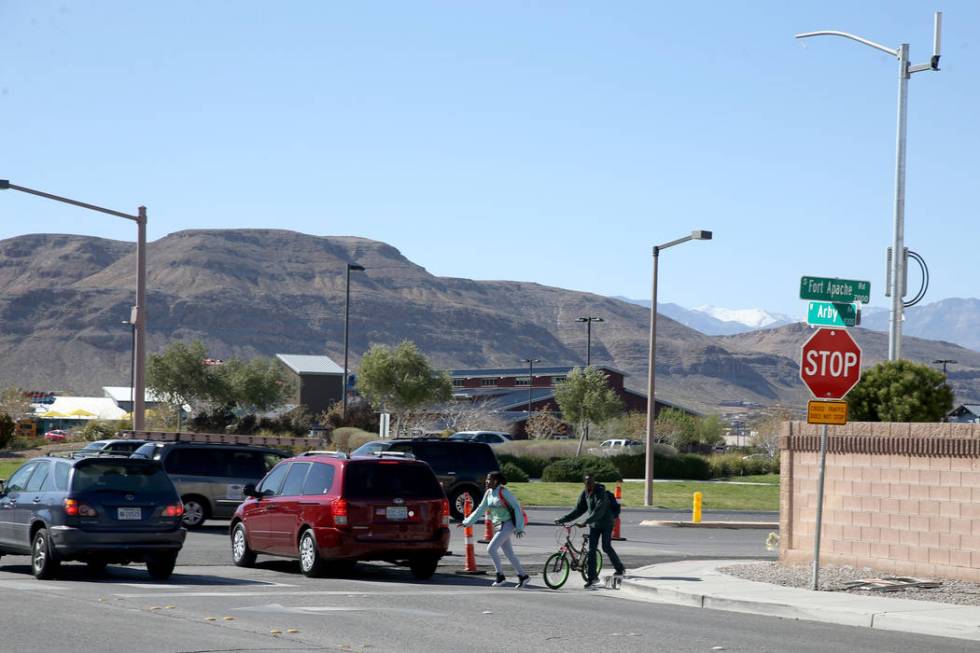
[423, 568]
[161, 565]
[44, 564]
[241, 554]
[310, 562]
[458, 498]
[195, 512]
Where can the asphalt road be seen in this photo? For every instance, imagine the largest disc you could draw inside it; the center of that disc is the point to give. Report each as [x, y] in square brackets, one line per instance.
[274, 608]
[644, 545]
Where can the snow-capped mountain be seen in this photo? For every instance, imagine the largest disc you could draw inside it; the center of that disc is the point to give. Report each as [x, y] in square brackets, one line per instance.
[753, 318]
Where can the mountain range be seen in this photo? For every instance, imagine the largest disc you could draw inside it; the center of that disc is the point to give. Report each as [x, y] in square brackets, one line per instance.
[263, 291]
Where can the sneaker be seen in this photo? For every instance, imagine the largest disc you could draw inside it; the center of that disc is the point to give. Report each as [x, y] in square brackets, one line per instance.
[499, 582]
[522, 581]
[592, 584]
[619, 574]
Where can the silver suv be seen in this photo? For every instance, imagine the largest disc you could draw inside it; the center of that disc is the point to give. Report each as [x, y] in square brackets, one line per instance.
[210, 477]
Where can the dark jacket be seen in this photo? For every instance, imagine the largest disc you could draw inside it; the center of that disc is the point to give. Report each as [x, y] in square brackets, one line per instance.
[594, 506]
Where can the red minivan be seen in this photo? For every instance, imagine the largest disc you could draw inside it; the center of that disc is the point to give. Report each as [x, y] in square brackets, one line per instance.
[325, 508]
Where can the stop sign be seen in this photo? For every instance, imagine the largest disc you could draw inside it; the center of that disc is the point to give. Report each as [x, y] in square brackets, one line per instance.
[831, 363]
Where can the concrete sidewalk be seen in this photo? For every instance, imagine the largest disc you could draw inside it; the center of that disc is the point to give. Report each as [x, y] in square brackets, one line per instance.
[698, 584]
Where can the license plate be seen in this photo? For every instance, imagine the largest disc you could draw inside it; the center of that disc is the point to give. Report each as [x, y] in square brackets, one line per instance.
[396, 512]
[130, 513]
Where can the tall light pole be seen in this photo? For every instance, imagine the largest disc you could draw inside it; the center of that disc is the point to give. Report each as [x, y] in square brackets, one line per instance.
[138, 315]
[359, 268]
[132, 366]
[530, 381]
[697, 234]
[896, 268]
[588, 347]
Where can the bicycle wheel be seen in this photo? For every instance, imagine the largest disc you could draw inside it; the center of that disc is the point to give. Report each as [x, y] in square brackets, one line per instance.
[555, 571]
[598, 566]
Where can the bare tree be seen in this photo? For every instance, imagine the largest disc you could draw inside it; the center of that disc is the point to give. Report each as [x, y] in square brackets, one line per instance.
[542, 424]
[766, 437]
[471, 416]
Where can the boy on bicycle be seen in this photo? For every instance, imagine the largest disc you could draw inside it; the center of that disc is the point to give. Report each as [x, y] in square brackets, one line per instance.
[594, 503]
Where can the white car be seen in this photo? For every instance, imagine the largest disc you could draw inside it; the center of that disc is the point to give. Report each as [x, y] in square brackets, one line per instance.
[493, 438]
[618, 446]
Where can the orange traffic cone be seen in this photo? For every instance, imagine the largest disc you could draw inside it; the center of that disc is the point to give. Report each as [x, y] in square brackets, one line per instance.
[470, 567]
[487, 529]
[619, 497]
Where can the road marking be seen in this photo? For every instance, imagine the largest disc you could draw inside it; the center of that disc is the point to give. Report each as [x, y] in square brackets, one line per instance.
[29, 585]
[278, 608]
[349, 594]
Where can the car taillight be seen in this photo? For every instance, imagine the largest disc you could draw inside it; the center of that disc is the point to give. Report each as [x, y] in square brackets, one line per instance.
[174, 511]
[75, 509]
[445, 512]
[339, 511]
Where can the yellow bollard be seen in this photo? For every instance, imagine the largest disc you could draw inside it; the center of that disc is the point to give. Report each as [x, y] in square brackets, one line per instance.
[696, 513]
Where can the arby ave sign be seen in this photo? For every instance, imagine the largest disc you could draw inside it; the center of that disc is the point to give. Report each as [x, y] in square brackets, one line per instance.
[830, 364]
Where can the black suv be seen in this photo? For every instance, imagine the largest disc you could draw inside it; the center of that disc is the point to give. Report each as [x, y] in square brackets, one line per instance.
[119, 447]
[460, 465]
[97, 509]
[210, 477]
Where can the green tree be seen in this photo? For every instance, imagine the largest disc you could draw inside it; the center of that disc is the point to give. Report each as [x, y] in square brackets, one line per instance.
[6, 430]
[179, 376]
[677, 428]
[256, 385]
[710, 430]
[400, 379]
[900, 391]
[586, 398]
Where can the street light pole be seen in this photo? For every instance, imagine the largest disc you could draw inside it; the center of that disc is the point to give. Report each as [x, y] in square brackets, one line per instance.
[698, 234]
[132, 367]
[896, 268]
[530, 381]
[944, 362]
[588, 347]
[350, 266]
[138, 317]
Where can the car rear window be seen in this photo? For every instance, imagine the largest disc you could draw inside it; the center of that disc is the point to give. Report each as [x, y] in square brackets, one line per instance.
[388, 479]
[127, 474]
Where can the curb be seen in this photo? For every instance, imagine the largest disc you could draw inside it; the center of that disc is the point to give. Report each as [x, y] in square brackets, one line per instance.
[932, 622]
[762, 525]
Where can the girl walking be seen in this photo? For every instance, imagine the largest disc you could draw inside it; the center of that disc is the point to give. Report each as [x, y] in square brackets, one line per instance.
[508, 519]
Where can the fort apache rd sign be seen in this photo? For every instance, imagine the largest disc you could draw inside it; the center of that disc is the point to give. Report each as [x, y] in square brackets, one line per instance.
[830, 364]
[843, 291]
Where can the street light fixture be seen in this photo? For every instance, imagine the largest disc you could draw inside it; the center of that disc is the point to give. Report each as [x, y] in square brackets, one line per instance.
[588, 348]
[358, 268]
[530, 381]
[944, 362]
[138, 316]
[896, 268]
[697, 234]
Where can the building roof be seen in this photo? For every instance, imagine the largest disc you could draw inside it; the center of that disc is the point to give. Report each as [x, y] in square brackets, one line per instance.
[125, 393]
[522, 371]
[83, 408]
[969, 408]
[512, 399]
[303, 364]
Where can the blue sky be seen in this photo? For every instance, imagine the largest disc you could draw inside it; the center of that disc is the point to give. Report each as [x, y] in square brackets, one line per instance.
[553, 142]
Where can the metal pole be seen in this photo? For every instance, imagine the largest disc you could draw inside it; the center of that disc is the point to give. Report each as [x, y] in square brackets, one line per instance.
[346, 330]
[530, 385]
[132, 371]
[816, 536]
[588, 346]
[651, 401]
[898, 241]
[139, 350]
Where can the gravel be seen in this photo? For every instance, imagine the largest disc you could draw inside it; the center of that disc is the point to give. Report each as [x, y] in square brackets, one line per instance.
[832, 579]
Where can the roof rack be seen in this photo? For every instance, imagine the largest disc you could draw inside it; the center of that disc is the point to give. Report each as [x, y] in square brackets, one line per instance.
[335, 454]
[401, 455]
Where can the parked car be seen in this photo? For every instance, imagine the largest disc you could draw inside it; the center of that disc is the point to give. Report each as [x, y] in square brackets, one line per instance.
[210, 477]
[57, 435]
[105, 510]
[617, 446]
[109, 447]
[492, 438]
[461, 465]
[325, 509]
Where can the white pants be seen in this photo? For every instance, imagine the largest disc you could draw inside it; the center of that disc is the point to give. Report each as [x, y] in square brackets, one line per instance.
[501, 540]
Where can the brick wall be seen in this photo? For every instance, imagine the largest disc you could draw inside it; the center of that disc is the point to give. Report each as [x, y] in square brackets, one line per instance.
[903, 498]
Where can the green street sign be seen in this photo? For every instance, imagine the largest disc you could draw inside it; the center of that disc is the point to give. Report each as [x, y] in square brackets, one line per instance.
[833, 314]
[839, 291]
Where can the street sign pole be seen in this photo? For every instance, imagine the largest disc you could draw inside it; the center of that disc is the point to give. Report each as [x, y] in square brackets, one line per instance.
[816, 538]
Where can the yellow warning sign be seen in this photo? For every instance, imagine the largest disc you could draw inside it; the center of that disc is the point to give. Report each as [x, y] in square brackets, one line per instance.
[826, 412]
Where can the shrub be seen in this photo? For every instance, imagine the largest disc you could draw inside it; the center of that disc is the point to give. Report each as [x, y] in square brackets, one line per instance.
[98, 430]
[6, 430]
[572, 470]
[686, 466]
[727, 465]
[532, 466]
[547, 449]
[347, 438]
[513, 473]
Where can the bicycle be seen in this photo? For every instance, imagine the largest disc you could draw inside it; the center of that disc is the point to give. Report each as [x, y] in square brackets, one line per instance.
[568, 558]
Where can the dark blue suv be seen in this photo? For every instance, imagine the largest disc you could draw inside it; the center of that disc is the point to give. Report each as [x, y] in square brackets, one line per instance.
[99, 510]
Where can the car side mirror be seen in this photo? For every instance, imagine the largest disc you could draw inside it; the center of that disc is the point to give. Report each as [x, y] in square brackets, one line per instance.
[249, 490]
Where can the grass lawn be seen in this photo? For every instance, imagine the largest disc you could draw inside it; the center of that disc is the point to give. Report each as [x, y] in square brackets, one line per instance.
[7, 467]
[675, 496]
[772, 479]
